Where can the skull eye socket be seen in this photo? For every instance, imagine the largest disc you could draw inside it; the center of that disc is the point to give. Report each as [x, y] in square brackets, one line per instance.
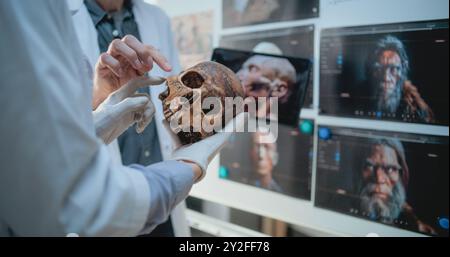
[192, 80]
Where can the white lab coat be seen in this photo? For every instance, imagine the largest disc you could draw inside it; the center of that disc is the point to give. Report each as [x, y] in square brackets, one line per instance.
[56, 176]
[154, 28]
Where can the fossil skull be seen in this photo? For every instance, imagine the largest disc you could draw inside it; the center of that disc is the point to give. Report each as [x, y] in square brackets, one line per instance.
[204, 80]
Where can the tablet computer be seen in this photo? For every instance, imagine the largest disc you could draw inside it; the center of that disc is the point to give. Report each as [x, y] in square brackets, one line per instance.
[266, 76]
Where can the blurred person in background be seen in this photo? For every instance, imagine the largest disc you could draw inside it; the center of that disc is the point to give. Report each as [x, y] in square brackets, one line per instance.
[99, 23]
[60, 178]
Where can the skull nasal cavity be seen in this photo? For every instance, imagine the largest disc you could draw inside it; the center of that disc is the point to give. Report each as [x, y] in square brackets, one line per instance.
[192, 80]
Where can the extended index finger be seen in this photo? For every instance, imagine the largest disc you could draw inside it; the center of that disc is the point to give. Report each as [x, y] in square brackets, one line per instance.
[159, 59]
[147, 53]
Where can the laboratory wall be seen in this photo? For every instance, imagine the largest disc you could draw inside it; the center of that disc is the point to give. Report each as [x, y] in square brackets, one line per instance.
[369, 152]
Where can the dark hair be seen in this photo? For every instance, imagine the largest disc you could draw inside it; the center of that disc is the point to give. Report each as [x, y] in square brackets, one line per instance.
[389, 43]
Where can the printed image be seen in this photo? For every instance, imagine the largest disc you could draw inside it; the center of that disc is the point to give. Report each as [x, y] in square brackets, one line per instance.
[392, 178]
[193, 37]
[294, 42]
[270, 77]
[282, 166]
[398, 75]
[249, 12]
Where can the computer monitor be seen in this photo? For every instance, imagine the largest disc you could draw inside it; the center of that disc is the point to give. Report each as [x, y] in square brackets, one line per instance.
[395, 72]
[266, 77]
[295, 41]
[243, 13]
[396, 179]
[283, 166]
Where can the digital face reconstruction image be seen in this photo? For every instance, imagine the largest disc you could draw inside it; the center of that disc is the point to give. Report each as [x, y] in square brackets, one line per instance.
[396, 179]
[398, 75]
[282, 165]
[294, 42]
[267, 77]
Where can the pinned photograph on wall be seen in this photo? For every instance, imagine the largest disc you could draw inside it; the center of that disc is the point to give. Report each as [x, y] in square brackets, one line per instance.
[274, 86]
[250, 12]
[193, 37]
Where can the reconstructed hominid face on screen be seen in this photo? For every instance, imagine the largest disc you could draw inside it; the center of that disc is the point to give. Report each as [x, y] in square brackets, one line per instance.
[392, 178]
[263, 153]
[282, 165]
[295, 42]
[276, 85]
[267, 76]
[383, 187]
[398, 73]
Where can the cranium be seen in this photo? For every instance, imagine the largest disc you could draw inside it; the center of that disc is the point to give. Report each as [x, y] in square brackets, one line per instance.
[206, 79]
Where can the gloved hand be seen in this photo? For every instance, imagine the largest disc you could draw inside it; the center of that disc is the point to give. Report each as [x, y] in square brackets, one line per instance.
[124, 107]
[202, 152]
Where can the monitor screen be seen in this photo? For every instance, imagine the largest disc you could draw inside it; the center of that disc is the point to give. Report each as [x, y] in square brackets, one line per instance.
[393, 72]
[283, 167]
[296, 42]
[393, 178]
[266, 77]
[250, 12]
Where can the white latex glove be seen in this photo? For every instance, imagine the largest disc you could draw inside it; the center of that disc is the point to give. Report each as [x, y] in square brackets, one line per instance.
[202, 152]
[123, 108]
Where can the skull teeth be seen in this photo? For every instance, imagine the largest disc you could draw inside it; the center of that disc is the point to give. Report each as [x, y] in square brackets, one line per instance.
[168, 113]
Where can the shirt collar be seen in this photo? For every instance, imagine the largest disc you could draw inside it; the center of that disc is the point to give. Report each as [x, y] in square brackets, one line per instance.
[97, 13]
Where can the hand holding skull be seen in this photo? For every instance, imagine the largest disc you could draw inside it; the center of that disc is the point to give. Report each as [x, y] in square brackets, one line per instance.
[123, 108]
